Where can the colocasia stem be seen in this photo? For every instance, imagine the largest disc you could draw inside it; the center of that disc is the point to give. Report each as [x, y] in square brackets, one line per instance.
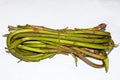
[32, 43]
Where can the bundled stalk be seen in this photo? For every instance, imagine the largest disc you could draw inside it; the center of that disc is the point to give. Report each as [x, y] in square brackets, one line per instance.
[32, 43]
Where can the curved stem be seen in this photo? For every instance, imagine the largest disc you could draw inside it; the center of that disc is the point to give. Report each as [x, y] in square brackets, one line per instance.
[90, 54]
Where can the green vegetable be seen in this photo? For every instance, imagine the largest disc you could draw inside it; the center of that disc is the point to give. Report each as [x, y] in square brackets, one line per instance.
[34, 43]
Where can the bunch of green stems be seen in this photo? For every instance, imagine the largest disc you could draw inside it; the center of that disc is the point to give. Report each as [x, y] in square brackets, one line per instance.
[32, 43]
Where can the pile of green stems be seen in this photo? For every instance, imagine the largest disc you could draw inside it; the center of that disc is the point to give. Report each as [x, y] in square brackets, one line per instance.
[34, 43]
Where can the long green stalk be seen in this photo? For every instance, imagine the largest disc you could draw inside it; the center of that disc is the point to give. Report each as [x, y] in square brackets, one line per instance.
[81, 39]
[74, 43]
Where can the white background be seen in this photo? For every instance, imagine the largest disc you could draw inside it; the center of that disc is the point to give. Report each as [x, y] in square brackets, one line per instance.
[59, 14]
